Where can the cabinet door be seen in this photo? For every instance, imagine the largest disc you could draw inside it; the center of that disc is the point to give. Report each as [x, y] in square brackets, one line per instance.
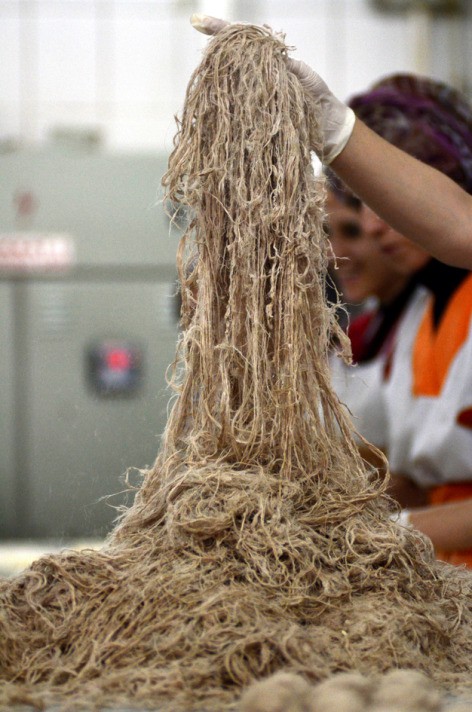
[82, 440]
[8, 414]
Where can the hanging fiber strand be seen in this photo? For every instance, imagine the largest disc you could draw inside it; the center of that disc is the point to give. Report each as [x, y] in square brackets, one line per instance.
[259, 541]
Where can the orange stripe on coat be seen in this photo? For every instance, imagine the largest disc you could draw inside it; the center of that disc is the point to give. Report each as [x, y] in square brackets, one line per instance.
[435, 350]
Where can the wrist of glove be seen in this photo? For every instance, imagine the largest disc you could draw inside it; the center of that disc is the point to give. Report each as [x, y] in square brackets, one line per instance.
[336, 119]
[337, 125]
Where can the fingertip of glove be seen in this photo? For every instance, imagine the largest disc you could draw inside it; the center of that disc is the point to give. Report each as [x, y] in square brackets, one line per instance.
[198, 22]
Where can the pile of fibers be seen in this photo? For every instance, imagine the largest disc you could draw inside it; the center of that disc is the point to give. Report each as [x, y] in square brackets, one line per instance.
[396, 691]
[259, 541]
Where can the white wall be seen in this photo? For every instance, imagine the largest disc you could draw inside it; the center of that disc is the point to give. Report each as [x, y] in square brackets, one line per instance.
[122, 65]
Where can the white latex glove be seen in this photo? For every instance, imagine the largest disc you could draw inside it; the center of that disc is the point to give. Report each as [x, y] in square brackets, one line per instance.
[402, 518]
[336, 119]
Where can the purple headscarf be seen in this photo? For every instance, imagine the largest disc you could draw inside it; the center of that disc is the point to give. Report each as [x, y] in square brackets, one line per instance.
[424, 117]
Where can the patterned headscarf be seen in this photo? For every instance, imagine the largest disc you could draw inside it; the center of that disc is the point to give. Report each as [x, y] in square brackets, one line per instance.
[424, 117]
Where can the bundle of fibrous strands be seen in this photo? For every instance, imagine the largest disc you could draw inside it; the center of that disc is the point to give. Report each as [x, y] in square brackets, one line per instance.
[259, 541]
[396, 691]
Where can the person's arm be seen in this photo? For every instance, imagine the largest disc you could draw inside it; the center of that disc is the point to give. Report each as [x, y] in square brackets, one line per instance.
[449, 526]
[415, 199]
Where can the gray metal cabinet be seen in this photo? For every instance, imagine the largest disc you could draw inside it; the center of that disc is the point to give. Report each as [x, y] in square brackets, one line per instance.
[65, 443]
[73, 443]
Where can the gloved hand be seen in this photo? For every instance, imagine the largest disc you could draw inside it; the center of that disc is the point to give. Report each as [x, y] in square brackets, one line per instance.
[336, 119]
[208, 25]
[402, 518]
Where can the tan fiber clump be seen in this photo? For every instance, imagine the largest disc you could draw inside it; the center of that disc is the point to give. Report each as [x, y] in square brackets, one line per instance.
[258, 542]
[345, 692]
[283, 692]
[396, 691]
[409, 690]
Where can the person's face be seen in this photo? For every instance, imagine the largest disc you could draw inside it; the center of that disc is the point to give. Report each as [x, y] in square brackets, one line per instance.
[404, 256]
[362, 269]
